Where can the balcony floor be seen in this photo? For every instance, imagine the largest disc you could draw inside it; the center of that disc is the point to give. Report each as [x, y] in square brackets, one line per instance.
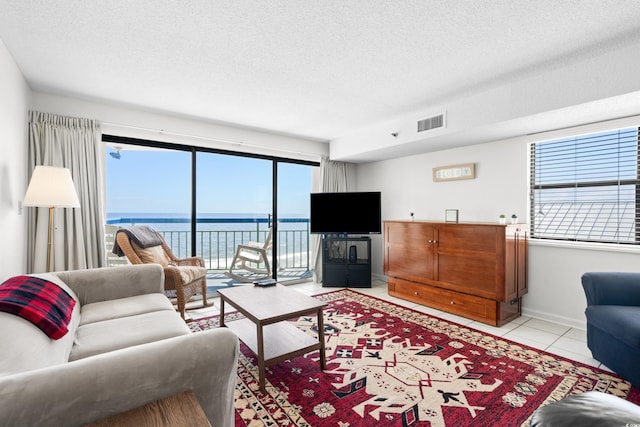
[216, 279]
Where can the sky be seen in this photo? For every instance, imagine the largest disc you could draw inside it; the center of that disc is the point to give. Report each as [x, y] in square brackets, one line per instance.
[158, 181]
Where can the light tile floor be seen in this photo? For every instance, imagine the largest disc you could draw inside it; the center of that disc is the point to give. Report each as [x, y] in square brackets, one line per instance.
[550, 337]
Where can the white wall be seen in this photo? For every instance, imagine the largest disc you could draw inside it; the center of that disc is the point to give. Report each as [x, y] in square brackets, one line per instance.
[500, 186]
[407, 186]
[586, 87]
[136, 123]
[15, 101]
[555, 290]
[15, 97]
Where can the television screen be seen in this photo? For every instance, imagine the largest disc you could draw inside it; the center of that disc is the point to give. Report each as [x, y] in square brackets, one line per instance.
[346, 213]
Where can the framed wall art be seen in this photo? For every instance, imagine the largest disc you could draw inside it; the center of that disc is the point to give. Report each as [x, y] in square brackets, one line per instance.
[451, 215]
[454, 172]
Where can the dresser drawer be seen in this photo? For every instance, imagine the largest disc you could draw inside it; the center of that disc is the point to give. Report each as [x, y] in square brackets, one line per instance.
[468, 306]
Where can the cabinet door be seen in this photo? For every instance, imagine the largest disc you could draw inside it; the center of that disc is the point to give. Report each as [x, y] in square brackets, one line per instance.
[358, 276]
[470, 259]
[409, 250]
[522, 253]
[334, 274]
[515, 284]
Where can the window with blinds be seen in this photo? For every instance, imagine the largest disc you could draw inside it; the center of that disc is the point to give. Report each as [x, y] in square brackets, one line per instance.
[586, 188]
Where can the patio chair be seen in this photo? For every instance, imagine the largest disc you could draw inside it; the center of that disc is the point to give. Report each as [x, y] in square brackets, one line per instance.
[185, 277]
[251, 261]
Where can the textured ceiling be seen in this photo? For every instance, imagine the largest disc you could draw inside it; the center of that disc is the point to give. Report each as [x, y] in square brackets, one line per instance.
[318, 69]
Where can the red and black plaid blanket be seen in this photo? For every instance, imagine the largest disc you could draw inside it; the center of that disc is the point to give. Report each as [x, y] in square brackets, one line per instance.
[39, 301]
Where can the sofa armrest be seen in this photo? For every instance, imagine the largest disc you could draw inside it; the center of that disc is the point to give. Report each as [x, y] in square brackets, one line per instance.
[612, 288]
[102, 284]
[96, 387]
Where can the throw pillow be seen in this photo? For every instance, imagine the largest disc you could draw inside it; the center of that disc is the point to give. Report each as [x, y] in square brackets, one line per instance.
[39, 301]
[151, 255]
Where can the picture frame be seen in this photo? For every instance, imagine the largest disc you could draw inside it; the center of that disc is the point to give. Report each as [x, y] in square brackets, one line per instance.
[454, 172]
[451, 215]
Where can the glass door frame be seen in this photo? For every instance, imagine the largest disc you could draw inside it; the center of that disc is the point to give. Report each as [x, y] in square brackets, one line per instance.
[122, 140]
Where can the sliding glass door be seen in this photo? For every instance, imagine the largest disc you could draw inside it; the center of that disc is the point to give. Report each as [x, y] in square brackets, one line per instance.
[234, 200]
[210, 202]
[294, 254]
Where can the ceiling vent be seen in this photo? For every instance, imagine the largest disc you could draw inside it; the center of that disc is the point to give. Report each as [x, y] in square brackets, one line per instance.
[434, 122]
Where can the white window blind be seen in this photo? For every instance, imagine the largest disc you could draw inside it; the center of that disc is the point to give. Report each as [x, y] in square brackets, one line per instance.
[586, 188]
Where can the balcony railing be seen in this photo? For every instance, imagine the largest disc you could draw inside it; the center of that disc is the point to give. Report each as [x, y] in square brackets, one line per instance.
[217, 238]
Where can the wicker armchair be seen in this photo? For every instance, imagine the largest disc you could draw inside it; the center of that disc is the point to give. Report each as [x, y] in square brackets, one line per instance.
[185, 277]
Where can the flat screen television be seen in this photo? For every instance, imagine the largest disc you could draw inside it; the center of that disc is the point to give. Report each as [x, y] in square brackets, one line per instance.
[346, 213]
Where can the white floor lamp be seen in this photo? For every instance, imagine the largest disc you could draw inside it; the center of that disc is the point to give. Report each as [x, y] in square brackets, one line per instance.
[51, 187]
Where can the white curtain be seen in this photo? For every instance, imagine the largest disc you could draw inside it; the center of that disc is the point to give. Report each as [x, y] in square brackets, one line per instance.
[73, 143]
[333, 179]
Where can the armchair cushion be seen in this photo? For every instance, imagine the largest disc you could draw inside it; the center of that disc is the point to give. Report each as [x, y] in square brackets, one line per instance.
[190, 273]
[623, 321]
[151, 255]
[41, 302]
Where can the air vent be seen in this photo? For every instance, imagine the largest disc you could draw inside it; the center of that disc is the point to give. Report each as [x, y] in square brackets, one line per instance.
[431, 123]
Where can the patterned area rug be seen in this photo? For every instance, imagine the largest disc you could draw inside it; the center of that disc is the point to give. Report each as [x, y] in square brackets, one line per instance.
[393, 366]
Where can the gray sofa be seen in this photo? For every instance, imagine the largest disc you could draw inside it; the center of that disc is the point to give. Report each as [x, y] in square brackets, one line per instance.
[126, 346]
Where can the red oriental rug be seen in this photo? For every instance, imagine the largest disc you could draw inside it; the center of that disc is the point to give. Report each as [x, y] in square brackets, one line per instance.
[393, 366]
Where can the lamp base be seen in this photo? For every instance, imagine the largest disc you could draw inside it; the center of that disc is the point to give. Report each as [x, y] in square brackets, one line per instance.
[50, 239]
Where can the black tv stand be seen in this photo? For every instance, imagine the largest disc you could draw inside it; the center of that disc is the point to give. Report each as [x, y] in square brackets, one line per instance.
[346, 261]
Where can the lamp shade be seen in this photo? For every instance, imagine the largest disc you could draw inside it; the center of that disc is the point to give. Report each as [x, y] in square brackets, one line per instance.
[51, 187]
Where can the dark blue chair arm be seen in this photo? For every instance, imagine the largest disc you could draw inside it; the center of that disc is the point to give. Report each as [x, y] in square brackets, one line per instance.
[612, 288]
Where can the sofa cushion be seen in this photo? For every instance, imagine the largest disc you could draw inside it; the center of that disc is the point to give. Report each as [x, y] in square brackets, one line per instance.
[114, 334]
[39, 301]
[124, 307]
[623, 322]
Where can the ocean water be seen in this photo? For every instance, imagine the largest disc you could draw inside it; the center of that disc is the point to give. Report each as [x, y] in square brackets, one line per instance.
[218, 235]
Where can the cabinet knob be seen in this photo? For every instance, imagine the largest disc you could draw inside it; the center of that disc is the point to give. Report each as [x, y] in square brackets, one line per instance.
[416, 294]
[452, 302]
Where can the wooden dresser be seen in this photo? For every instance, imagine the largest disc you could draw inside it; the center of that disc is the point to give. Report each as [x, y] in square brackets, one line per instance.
[474, 270]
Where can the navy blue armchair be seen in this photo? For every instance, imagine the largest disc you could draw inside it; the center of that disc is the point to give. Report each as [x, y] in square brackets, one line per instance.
[613, 321]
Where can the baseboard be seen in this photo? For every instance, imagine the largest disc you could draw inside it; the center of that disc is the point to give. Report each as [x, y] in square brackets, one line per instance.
[550, 317]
